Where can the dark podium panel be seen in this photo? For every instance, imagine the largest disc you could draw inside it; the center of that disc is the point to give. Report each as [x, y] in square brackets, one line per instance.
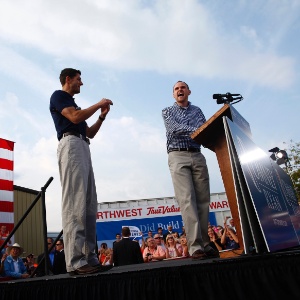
[270, 190]
[261, 195]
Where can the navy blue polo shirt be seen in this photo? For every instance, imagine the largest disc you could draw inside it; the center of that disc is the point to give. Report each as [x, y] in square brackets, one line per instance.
[58, 101]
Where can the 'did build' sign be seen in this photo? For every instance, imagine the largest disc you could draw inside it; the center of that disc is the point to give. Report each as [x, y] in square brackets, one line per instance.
[146, 215]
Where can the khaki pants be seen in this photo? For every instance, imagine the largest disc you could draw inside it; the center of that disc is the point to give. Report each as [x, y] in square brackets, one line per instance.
[191, 185]
[79, 202]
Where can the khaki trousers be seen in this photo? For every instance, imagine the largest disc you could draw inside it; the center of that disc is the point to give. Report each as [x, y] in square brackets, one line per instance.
[191, 185]
[79, 202]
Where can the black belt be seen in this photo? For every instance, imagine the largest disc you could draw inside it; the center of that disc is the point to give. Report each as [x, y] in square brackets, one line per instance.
[185, 149]
[76, 134]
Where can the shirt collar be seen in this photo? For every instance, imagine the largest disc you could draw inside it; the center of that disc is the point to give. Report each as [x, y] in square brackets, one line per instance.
[186, 107]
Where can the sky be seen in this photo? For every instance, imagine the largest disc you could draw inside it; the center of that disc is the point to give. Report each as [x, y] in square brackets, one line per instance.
[133, 52]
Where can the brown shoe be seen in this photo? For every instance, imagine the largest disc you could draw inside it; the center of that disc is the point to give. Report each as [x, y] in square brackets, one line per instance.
[102, 268]
[84, 270]
[199, 254]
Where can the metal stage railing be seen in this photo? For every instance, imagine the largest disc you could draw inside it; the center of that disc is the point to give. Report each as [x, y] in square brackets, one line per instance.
[41, 195]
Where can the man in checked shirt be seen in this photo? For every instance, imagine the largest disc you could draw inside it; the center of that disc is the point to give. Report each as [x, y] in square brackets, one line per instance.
[188, 170]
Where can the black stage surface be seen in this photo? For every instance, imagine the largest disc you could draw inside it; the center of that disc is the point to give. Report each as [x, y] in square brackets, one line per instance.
[268, 276]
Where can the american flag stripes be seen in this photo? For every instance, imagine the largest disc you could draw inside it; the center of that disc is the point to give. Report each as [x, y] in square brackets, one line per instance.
[6, 184]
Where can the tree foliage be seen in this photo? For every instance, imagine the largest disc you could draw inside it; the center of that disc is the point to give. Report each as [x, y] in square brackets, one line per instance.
[293, 167]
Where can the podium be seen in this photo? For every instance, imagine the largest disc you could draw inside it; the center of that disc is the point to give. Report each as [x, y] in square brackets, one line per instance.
[261, 195]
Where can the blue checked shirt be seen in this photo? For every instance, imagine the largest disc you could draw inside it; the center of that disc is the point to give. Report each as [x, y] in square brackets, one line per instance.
[180, 123]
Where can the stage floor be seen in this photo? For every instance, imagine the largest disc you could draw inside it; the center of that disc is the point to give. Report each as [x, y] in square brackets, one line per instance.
[272, 275]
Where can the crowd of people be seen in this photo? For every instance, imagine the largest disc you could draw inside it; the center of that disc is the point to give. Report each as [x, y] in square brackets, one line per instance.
[158, 246]
[14, 266]
[125, 251]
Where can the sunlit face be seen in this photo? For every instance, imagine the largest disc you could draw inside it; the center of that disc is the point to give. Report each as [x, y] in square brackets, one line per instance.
[183, 241]
[75, 83]
[157, 239]
[170, 240]
[151, 243]
[181, 93]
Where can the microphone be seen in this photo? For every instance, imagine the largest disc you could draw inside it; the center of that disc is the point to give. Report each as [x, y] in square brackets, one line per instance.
[227, 98]
[227, 95]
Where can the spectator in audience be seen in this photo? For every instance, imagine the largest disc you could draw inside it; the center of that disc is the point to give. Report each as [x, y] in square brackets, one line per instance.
[185, 249]
[2, 252]
[176, 237]
[172, 248]
[216, 230]
[146, 241]
[215, 241]
[103, 246]
[101, 255]
[13, 264]
[150, 234]
[159, 241]
[118, 238]
[108, 260]
[3, 256]
[153, 252]
[220, 230]
[143, 244]
[183, 233]
[55, 260]
[59, 246]
[3, 235]
[30, 264]
[101, 252]
[170, 231]
[229, 238]
[126, 252]
[231, 224]
[160, 232]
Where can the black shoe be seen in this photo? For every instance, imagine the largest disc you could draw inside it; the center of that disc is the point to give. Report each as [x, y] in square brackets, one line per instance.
[84, 270]
[211, 253]
[199, 254]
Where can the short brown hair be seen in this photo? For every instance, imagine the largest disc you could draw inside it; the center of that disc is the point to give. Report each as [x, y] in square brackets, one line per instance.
[68, 72]
[182, 82]
[125, 231]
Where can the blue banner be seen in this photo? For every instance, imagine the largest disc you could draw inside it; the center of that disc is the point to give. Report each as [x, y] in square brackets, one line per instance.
[106, 231]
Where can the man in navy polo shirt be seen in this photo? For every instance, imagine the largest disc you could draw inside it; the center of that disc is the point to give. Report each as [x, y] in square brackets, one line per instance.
[79, 198]
[188, 170]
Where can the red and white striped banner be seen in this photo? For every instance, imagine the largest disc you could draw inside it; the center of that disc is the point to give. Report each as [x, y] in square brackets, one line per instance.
[6, 186]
